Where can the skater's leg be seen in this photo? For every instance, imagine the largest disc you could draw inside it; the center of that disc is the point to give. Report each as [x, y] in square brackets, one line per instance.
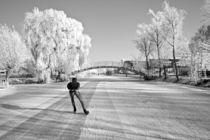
[81, 101]
[72, 100]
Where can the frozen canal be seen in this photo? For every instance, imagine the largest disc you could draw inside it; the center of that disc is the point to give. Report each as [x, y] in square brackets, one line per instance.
[120, 108]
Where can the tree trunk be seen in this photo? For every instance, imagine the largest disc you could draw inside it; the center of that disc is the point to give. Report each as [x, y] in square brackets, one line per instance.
[175, 66]
[165, 73]
[58, 77]
[43, 76]
[192, 67]
[7, 77]
[159, 62]
[147, 65]
[201, 63]
[47, 78]
[205, 72]
[51, 74]
[40, 76]
[125, 71]
[158, 51]
[174, 60]
[194, 73]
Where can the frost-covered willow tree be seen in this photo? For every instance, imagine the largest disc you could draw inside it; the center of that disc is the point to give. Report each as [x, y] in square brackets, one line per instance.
[53, 39]
[144, 44]
[74, 51]
[172, 26]
[12, 49]
[84, 51]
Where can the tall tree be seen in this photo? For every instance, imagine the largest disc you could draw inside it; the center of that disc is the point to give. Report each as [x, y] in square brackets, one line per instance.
[205, 28]
[144, 44]
[201, 38]
[198, 45]
[156, 34]
[53, 38]
[172, 25]
[13, 50]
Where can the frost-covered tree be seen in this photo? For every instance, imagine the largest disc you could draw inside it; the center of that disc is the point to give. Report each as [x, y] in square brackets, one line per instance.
[198, 46]
[183, 52]
[13, 51]
[144, 44]
[172, 26]
[201, 37]
[84, 51]
[73, 52]
[156, 34]
[205, 29]
[53, 39]
[194, 59]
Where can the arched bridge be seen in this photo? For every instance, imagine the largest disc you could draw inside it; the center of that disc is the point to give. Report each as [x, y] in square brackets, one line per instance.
[124, 65]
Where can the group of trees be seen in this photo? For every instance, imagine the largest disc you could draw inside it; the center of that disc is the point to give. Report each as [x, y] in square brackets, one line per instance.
[13, 50]
[199, 46]
[163, 37]
[53, 42]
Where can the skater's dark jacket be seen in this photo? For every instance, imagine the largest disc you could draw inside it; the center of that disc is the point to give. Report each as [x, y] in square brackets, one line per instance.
[73, 85]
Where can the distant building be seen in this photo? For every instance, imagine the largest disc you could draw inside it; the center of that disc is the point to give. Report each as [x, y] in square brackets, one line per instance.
[128, 64]
[154, 63]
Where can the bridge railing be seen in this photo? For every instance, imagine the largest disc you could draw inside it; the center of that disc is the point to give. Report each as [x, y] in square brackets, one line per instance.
[103, 63]
[107, 63]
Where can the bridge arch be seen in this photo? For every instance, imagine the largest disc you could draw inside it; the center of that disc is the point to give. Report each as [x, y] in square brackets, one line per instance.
[108, 64]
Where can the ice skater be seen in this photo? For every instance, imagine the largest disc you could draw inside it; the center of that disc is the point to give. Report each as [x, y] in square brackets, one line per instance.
[73, 87]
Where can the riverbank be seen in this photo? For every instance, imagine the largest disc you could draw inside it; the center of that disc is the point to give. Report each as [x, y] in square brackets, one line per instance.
[205, 83]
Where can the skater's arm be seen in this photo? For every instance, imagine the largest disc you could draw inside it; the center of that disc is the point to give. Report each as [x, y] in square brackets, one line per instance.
[78, 86]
